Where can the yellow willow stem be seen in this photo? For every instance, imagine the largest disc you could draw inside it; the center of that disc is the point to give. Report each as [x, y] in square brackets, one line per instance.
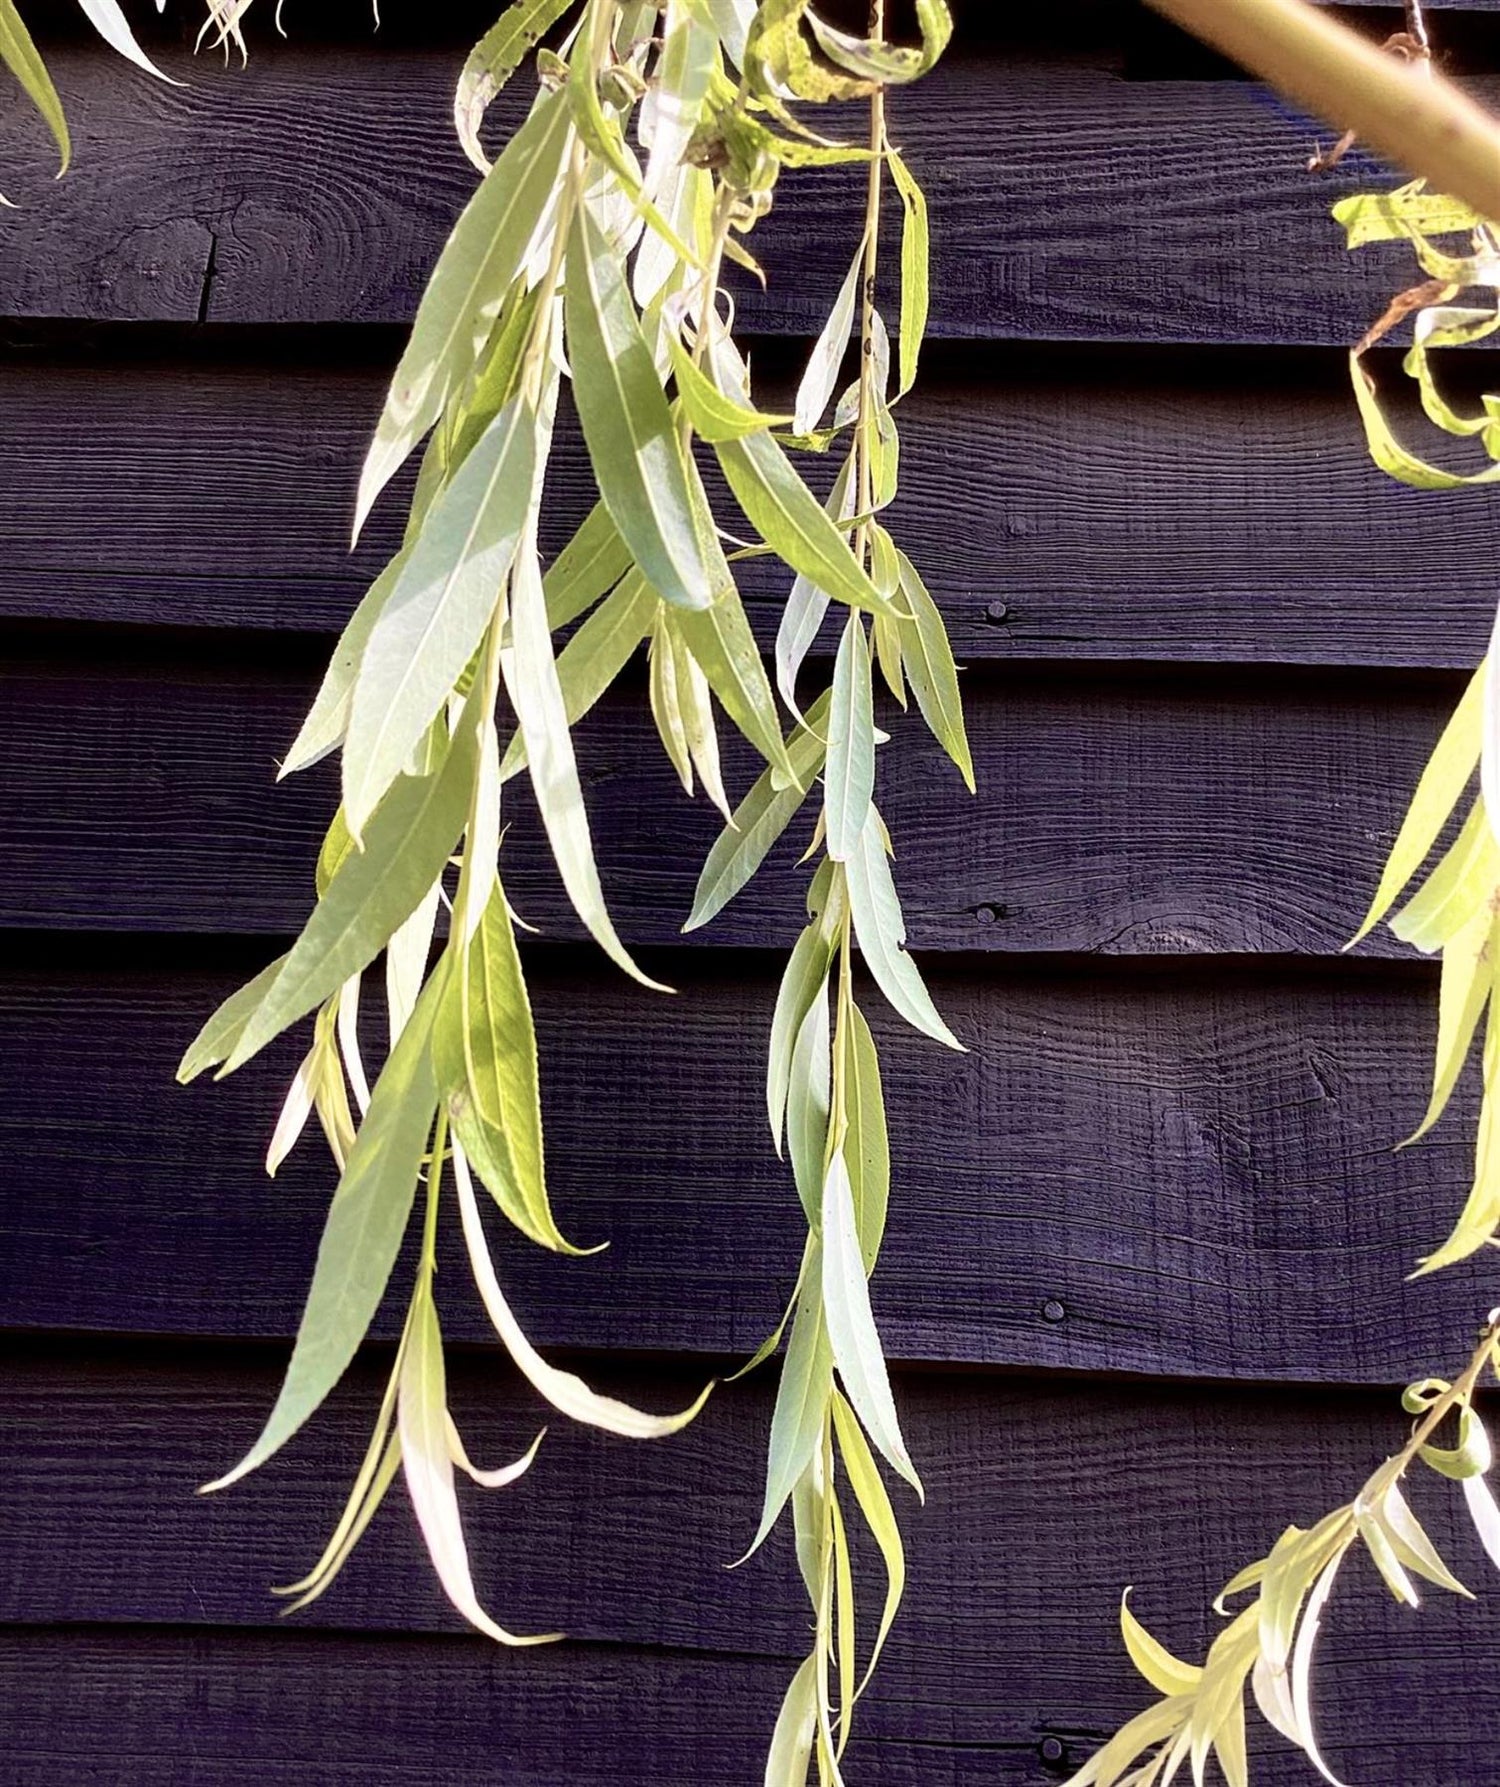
[865, 487]
[1409, 112]
[1458, 1396]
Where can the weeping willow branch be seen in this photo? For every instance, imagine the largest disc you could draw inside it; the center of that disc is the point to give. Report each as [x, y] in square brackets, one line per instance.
[1270, 1642]
[1423, 122]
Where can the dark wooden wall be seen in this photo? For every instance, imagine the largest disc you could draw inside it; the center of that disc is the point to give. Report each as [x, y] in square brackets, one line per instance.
[1145, 1280]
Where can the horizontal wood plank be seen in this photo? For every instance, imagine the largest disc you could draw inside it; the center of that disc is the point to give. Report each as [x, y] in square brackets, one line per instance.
[1043, 1503]
[1061, 504]
[1069, 203]
[1148, 1171]
[1183, 813]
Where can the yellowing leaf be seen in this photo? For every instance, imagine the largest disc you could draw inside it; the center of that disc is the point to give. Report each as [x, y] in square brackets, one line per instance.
[880, 1517]
[21, 57]
[1165, 1672]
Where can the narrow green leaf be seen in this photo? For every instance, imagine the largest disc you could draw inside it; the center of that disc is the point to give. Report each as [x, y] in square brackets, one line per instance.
[21, 56]
[491, 63]
[485, 1057]
[827, 358]
[714, 416]
[790, 1755]
[1442, 782]
[791, 520]
[684, 72]
[867, 1151]
[758, 821]
[916, 254]
[851, 1324]
[591, 563]
[934, 677]
[666, 707]
[849, 778]
[807, 605]
[595, 655]
[362, 1236]
[1463, 881]
[476, 269]
[1166, 1673]
[530, 672]
[216, 1040]
[328, 719]
[807, 1105]
[376, 889]
[880, 1517]
[1467, 981]
[724, 648]
[805, 974]
[436, 614]
[636, 450]
[881, 932]
[801, 1398]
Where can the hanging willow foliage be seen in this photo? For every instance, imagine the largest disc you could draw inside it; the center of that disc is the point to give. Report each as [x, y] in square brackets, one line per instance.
[586, 259]
[1454, 912]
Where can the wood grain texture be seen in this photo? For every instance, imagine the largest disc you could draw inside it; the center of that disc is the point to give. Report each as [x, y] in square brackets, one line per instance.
[1185, 813]
[1043, 1502]
[1062, 504]
[1145, 1171]
[1069, 203]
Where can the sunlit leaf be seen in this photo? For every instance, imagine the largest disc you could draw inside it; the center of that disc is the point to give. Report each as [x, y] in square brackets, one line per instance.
[108, 19]
[592, 562]
[881, 932]
[566, 1392]
[422, 1420]
[407, 844]
[530, 672]
[596, 654]
[808, 1106]
[934, 679]
[436, 613]
[362, 1235]
[851, 1324]
[797, 1723]
[867, 1153]
[827, 358]
[482, 257]
[1467, 979]
[801, 1399]
[758, 821]
[916, 254]
[216, 1041]
[849, 775]
[880, 1517]
[21, 56]
[636, 450]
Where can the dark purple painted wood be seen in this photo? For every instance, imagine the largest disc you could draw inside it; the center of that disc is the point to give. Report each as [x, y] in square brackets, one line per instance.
[1195, 1165]
[317, 186]
[1182, 813]
[1061, 504]
[1044, 1501]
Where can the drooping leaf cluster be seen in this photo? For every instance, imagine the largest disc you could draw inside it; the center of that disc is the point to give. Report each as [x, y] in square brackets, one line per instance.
[1269, 1643]
[1455, 911]
[591, 256]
